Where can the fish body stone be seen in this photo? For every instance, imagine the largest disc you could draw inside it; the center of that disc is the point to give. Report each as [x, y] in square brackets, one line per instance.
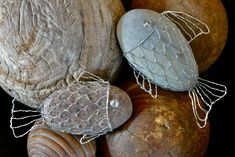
[156, 48]
[87, 108]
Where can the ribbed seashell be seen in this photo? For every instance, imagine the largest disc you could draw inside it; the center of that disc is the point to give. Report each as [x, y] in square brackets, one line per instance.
[45, 142]
[44, 43]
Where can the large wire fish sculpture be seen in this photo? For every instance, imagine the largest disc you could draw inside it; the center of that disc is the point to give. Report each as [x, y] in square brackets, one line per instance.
[157, 48]
[91, 107]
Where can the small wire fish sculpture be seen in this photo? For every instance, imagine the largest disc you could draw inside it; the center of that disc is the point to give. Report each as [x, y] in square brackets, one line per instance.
[91, 107]
[157, 48]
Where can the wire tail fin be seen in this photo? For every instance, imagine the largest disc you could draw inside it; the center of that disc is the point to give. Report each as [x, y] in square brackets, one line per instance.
[21, 121]
[210, 93]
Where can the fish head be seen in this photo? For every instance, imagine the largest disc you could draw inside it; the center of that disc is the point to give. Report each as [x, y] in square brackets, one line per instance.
[119, 107]
[136, 26]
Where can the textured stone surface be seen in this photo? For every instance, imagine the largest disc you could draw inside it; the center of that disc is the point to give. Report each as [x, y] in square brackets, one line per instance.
[44, 43]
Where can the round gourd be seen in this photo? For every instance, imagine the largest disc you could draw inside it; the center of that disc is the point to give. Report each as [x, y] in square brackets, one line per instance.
[206, 48]
[45, 43]
[158, 127]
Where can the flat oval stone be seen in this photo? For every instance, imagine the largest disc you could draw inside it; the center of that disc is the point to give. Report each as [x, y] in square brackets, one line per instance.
[98, 110]
[155, 47]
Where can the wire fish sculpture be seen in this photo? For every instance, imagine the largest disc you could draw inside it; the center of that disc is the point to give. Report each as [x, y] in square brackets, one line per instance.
[157, 48]
[91, 107]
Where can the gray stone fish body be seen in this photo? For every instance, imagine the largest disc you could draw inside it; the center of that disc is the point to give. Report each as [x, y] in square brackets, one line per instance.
[155, 47]
[87, 108]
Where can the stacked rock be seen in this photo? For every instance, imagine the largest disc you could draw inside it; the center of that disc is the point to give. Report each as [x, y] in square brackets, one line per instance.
[48, 45]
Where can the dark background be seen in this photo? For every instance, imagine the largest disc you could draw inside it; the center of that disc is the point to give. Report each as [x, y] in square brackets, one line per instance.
[221, 117]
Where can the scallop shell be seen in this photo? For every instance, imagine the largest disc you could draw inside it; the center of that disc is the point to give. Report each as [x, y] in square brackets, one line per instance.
[43, 142]
[44, 44]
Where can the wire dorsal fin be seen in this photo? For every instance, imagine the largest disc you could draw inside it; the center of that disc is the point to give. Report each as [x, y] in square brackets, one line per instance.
[190, 26]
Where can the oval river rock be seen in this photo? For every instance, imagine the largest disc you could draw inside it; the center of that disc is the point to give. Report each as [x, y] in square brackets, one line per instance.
[87, 108]
[157, 49]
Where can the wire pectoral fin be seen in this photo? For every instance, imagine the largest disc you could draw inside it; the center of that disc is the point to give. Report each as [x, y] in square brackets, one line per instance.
[87, 138]
[145, 84]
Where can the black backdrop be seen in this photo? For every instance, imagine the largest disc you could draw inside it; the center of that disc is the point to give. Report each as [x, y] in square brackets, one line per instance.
[221, 117]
